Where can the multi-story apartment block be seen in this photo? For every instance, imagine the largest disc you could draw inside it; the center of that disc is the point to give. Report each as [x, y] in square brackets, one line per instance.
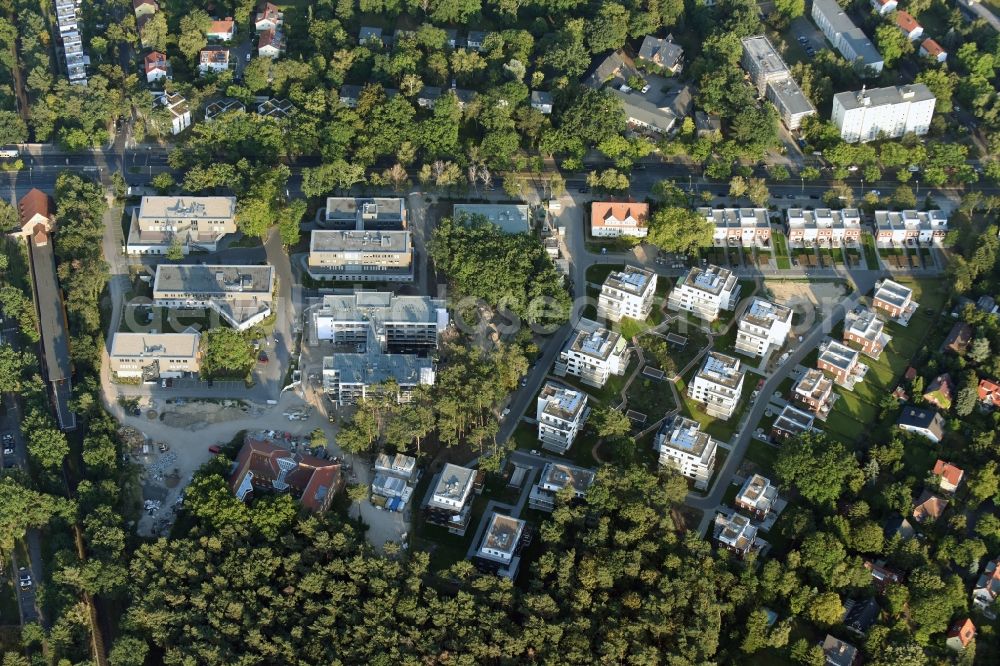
[610, 219]
[814, 391]
[718, 385]
[365, 213]
[499, 551]
[735, 533]
[739, 227]
[362, 256]
[450, 505]
[757, 496]
[554, 478]
[68, 22]
[241, 295]
[774, 80]
[400, 324]
[593, 353]
[151, 356]
[842, 363]
[824, 227]
[683, 446]
[894, 301]
[627, 293]
[705, 291]
[561, 413]
[792, 422]
[763, 326]
[846, 37]
[187, 222]
[883, 112]
[910, 228]
[353, 375]
[864, 328]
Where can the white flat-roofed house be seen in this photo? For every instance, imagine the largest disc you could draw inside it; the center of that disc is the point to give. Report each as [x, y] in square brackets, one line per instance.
[863, 327]
[561, 413]
[910, 228]
[763, 326]
[593, 353]
[684, 447]
[393, 476]
[241, 295]
[213, 60]
[191, 222]
[842, 363]
[735, 533]
[154, 355]
[449, 504]
[400, 465]
[627, 293]
[363, 256]
[705, 291]
[792, 422]
[814, 391]
[757, 496]
[610, 219]
[824, 227]
[554, 478]
[894, 301]
[739, 227]
[718, 385]
[398, 323]
[846, 37]
[499, 551]
[180, 112]
[890, 112]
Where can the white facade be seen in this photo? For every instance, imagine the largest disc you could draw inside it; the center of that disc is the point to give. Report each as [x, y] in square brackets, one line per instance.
[705, 291]
[738, 227]
[683, 446]
[718, 385]
[890, 112]
[627, 293]
[180, 112]
[846, 37]
[883, 7]
[823, 227]
[561, 413]
[593, 353]
[910, 228]
[213, 61]
[763, 325]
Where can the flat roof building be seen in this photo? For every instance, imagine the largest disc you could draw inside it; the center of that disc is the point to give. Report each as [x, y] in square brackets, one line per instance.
[190, 222]
[890, 112]
[554, 478]
[399, 323]
[561, 413]
[792, 422]
[863, 327]
[450, 505]
[774, 81]
[593, 353]
[684, 447]
[894, 301]
[757, 496]
[499, 551]
[366, 213]
[382, 256]
[762, 327]
[704, 292]
[627, 293]
[910, 228]
[814, 391]
[846, 37]
[823, 227]
[155, 355]
[509, 218]
[241, 295]
[718, 385]
[842, 362]
[735, 533]
[739, 227]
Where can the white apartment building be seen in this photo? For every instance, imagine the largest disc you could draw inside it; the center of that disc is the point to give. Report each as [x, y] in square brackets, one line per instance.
[824, 227]
[910, 228]
[399, 323]
[241, 295]
[450, 504]
[846, 37]
[561, 413]
[361, 256]
[773, 80]
[683, 446]
[365, 213]
[500, 547]
[764, 325]
[705, 291]
[154, 355]
[400, 465]
[627, 293]
[883, 112]
[554, 478]
[718, 385]
[190, 222]
[593, 353]
[757, 496]
[739, 227]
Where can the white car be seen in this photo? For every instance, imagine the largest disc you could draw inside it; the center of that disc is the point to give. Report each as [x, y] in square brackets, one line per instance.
[24, 577]
[505, 412]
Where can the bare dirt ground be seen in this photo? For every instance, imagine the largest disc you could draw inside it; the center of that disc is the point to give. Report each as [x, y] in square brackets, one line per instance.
[817, 293]
[196, 414]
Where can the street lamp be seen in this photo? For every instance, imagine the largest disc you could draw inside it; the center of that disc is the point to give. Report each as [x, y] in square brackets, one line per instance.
[862, 187]
[918, 186]
[803, 179]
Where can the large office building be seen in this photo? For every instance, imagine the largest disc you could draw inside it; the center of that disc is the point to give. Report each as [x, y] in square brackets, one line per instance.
[192, 223]
[554, 478]
[593, 353]
[718, 385]
[683, 446]
[241, 295]
[704, 292]
[561, 413]
[509, 218]
[910, 228]
[365, 213]
[399, 323]
[738, 227]
[890, 112]
[150, 356]
[774, 81]
[763, 326]
[361, 256]
[846, 37]
[824, 227]
[627, 293]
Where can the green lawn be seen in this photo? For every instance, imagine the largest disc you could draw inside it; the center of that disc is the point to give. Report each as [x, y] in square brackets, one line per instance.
[610, 393]
[597, 273]
[871, 255]
[781, 250]
[651, 397]
[763, 455]
[717, 428]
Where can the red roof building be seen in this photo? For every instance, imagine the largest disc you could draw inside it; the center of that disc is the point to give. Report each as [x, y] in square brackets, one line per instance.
[611, 219]
[951, 476]
[961, 634]
[35, 208]
[989, 393]
[929, 47]
[908, 25]
[264, 466]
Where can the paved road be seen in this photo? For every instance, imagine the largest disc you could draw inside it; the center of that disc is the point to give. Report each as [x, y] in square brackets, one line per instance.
[982, 12]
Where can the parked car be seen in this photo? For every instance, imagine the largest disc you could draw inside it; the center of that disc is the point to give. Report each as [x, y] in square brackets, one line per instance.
[262, 358]
[24, 577]
[215, 449]
[505, 412]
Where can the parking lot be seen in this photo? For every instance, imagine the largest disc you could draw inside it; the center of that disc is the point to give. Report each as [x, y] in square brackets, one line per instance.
[803, 37]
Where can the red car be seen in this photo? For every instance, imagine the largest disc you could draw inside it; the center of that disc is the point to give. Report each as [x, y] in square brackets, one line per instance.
[262, 358]
[215, 449]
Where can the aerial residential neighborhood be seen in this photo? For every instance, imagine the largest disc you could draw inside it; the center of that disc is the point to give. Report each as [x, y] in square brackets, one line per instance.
[500, 333]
